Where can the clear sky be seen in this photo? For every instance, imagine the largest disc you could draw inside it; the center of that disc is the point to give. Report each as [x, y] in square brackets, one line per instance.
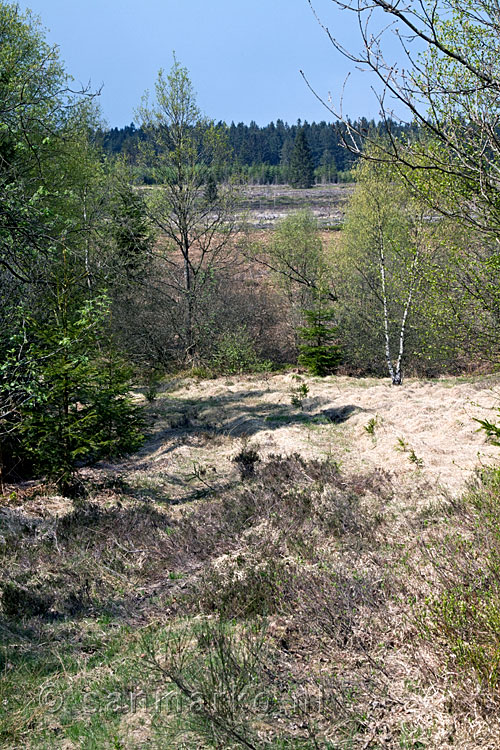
[243, 56]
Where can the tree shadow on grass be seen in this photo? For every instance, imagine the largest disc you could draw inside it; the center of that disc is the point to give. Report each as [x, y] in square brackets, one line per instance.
[232, 416]
[199, 423]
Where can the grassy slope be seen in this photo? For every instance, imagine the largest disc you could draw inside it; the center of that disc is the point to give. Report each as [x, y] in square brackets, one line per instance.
[346, 598]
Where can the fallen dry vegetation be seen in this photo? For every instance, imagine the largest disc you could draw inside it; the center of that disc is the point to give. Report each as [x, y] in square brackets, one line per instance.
[322, 574]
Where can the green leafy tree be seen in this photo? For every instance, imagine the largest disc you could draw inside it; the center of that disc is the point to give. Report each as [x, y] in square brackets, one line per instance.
[450, 88]
[383, 257]
[297, 260]
[296, 257]
[301, 166]
[450, 154]
[52, 261]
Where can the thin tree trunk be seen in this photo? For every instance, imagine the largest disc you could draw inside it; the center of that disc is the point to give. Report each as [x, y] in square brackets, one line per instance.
[405, 317]
[2, 485]
[395, 372]
[189, 304]
[388, 358]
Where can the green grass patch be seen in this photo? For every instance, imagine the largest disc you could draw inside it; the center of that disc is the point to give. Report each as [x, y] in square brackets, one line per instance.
[464, 612]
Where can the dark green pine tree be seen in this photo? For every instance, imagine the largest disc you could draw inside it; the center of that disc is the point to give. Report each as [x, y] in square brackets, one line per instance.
[319, 351]
[301, 169]
[211, 192]
[131, 230]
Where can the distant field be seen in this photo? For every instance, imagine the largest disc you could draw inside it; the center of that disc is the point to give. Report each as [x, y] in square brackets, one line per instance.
[267, 204]
[264, 205]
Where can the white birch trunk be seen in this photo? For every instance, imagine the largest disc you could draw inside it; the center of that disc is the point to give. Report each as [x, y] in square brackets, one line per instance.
[395, 372]
[384, 302]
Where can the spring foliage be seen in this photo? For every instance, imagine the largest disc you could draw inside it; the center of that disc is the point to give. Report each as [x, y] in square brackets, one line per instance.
[63, 390]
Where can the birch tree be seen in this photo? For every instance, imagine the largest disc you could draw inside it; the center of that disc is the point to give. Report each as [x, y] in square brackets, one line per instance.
[438, 65]
[384, 242]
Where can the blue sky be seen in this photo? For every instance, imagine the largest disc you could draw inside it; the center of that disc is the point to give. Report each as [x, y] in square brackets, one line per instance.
[243, 57]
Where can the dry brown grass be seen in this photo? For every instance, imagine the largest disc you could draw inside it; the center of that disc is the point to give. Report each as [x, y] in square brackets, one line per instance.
[320, 574]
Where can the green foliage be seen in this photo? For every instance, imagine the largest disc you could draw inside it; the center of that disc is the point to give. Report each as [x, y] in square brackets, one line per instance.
[371, 425]
[184, 149]
[451, 271]
[235, 353]
[211, 192]
[320, 353]
[298, 394]
[296, 256]
[130, 230]
[301, 168]
[301, 270]
[81, 410]
[414, 459]
[464, 613]
[63, 391]
[401, 445]
[153, 380]
[491, 429]
[259, 155]
[388, 317]
[457, 154]
[327, 171]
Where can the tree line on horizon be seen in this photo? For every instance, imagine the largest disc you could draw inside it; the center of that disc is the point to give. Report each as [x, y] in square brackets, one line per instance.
[262, 155]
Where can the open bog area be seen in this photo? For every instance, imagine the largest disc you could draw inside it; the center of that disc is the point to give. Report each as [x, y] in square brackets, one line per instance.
[287, 562]
[360, 424]
[265, 205]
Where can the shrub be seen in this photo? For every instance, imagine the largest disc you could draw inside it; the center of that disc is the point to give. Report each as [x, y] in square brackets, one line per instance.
[235, 354]
[235, 688]
[246, 460]
[492, 430]
[297, 395]
[319, 353]
[245, 587]
[79, 410]
[18, 601]
[153, 381]
[463, 615]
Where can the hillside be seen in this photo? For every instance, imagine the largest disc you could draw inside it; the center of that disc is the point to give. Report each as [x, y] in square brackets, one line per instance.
[288, 592]
[204, 423]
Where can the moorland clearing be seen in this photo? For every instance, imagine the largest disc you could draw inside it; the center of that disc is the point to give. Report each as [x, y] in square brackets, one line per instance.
[313, 567]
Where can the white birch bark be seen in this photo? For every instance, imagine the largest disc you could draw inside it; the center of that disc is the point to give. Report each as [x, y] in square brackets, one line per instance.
[395, 371]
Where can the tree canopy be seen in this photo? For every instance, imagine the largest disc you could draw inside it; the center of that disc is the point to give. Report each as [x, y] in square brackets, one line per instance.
[63, 396]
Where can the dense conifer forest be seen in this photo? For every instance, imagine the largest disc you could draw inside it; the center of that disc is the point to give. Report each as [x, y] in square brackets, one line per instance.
[261, 154]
